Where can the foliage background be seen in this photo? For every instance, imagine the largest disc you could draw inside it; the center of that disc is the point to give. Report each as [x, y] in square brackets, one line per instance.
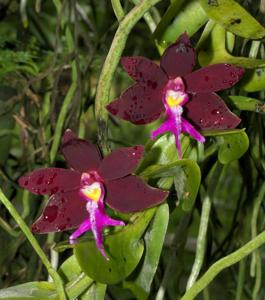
[51, 57]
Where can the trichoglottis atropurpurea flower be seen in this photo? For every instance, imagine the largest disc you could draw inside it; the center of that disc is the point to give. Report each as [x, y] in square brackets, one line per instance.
[187, 97]
[77, 195]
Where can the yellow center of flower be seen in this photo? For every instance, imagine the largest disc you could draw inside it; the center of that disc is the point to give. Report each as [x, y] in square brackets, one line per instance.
[92, 191]
[174, 98]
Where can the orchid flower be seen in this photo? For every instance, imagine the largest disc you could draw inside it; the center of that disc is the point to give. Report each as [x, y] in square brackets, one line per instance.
[187, 97]
[77, 195]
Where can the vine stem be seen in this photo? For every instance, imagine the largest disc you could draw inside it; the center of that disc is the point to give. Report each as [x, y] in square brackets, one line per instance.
[34, 243]
[118, 10]
[201, 242]
[111, 63]
[67, 101]
[223, 263]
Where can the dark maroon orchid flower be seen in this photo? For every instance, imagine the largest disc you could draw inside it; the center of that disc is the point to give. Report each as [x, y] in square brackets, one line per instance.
[171, 87]
[77, 195]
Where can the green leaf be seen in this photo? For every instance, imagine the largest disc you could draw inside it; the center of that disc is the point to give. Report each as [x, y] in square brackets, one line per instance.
[232, 16]
[124, 249]
[70, 269]
[221, 132]
[140, 285]
[187, 178]
[215, 52]
[180, 17]
[254, 80]
[232, 147]
[96, 291]
[29, 291]
[247, 103]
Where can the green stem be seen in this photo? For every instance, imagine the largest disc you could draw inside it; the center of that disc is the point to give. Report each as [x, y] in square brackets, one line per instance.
[118, 10]
[254, 221]
[148, 18]
[223, 263]
[201, 242]
[241, 279]
[34, 243]
[67, 101]
[111, 63]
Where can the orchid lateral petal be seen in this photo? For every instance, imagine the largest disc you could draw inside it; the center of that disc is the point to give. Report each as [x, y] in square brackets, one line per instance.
[138, 105]
[144, 71]
[208, 111]
[81, 155]
[120, 162]
[179, 58]
[47, 181]
[131, 194]
[64, 211]
[213, 78]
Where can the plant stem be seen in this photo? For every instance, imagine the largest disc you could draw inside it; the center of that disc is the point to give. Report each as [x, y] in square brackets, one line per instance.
[148, 18]
[241, 279]
[34, 243]
[110, 65]
[223, 263]
[118, 10]
[66, 103]
[201, 242]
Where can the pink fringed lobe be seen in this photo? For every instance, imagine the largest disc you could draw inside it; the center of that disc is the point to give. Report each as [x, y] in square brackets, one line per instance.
[96, 222]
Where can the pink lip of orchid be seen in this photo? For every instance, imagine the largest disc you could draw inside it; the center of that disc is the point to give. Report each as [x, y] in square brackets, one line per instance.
[77, 195]
[186, 96]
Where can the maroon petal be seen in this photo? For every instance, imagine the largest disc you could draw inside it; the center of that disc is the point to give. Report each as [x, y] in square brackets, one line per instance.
[49, 181]
[208, 111]
[131, 194]
[144, 71]
[138, 104]
[81, 155]
[213, 78]
[63, 212]
[68, 135]
[120, 162]
[179, 58]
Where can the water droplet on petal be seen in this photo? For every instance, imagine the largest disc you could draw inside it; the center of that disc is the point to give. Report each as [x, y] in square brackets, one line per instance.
[50, 213]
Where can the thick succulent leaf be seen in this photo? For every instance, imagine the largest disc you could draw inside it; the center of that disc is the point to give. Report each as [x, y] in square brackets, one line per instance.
[81, 155]
[130, 194]
[47, 181]
[254, 80]
[154, 240]
[179, 58]
[120, 162]
[234, 18]
[222, 132]
[213, 78]
[180, 17]
[207, 111]
[124, 249]
[63, 211]
[70, 269]
[138, 104]
[247, 103]
[215, 51]
[30, 291]
[97, 291]
[187, 177]
[144, 71]
[232, 147]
